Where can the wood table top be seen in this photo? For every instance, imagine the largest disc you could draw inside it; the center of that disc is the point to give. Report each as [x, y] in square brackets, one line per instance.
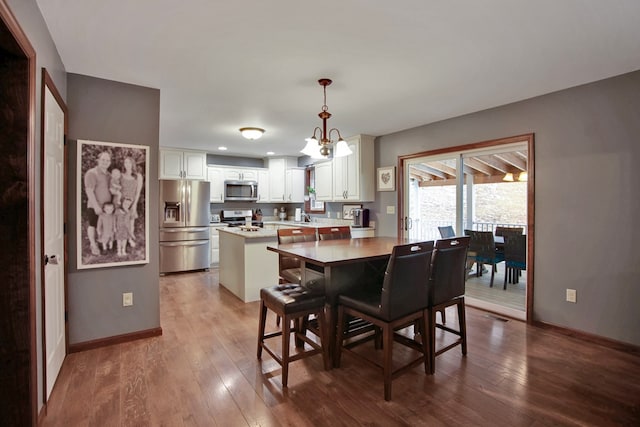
[341, 251]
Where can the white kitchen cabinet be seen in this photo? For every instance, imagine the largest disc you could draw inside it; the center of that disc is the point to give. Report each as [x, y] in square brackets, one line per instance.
[215, 176]
[263, 185]
[215, 243]
[359, 233]
[277, 177]
[353, 175]
[240, 174]
[294, 185]
[277, 168]
[179, 164]
[323, 177]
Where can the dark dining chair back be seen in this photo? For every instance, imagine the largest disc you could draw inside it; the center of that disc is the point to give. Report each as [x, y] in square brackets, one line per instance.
[404, 289]
[295, 235]
[482, 250]
[331, 233]
[448, 269]
[401, 302]
[447, 288]
[288, 266]
[502, 231]
[446, 232]
[515, 257]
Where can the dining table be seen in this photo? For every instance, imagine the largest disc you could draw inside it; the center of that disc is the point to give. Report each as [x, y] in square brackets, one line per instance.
[341, 265]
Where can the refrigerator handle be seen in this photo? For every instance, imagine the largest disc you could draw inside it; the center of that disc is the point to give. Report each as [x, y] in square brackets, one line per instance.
[188, 218]
[184, 204]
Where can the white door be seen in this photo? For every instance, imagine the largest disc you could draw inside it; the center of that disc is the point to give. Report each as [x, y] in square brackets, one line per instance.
[53, 213]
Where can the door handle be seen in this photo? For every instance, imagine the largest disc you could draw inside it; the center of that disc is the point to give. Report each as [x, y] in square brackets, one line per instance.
[50, 259]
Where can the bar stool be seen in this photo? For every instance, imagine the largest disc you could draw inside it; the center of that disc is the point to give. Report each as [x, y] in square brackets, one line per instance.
[291, 302]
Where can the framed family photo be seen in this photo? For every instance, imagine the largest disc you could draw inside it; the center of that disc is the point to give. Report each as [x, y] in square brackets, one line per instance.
[112, 204]
[386, 178]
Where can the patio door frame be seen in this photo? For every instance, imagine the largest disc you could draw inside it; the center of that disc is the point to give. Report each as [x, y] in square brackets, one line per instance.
[528, 139]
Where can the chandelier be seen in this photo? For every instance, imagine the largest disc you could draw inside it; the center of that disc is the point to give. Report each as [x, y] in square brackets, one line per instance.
[319, 148]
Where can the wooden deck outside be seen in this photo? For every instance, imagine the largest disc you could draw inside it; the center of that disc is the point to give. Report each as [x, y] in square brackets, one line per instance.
[513, 297]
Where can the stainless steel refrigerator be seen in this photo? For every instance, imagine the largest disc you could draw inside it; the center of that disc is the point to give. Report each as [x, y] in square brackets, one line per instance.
[184, 225]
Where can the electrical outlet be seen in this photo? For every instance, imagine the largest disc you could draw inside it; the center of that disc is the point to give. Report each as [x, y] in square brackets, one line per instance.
[127, 299]
[571, 295]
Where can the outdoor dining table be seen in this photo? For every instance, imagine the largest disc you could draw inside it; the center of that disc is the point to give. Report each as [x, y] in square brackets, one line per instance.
[342, 264]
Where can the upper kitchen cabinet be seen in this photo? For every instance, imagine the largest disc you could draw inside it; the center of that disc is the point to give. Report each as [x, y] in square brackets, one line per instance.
[277, 177]
[215, 176]
[294, 185]
[353, 175]
[324, 181]
[179, 164]
[263, 185]
[240, 174]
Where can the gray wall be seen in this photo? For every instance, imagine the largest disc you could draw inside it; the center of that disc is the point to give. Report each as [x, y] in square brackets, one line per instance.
[28, 16]
[587, 200]
[103, 110]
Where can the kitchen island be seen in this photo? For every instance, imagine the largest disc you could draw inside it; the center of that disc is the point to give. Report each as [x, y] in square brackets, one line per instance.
[356, 232]
[246, 265]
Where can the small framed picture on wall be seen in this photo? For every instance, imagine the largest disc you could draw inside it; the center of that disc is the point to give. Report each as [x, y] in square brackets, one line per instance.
[387, 178]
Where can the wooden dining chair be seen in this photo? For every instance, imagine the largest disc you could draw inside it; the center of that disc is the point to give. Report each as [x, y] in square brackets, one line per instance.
[482, 250]
[331, 233]
[290, 271]
[399, 302]
[289, 267]
[293, 303]
[446, 288]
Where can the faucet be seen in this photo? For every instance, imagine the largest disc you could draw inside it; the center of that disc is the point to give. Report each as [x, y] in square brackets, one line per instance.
[306, 217]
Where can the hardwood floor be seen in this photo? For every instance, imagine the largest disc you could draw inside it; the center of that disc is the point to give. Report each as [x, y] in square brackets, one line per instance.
[203, 371]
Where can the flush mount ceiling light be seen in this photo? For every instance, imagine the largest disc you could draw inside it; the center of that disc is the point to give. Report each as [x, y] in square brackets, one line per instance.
[251, 133]
[319, 148]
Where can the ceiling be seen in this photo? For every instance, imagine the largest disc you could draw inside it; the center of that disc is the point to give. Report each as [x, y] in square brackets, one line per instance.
[222, 65]
[485, 168]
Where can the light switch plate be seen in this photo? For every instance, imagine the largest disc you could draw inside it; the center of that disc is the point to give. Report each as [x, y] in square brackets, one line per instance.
[391, 210]
[571, 295]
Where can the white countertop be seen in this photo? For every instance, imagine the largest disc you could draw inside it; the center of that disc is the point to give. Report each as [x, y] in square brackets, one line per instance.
[261, 233]
[315, 224]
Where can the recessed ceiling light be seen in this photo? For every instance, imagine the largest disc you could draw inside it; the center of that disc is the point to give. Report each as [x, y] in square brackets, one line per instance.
[270, 153]
[222, 148]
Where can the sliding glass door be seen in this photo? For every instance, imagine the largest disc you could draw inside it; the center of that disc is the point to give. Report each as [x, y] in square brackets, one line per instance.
[433, 196]
[482, 188]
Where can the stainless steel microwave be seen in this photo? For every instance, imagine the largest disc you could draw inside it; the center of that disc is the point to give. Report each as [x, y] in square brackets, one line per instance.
[246, 191]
